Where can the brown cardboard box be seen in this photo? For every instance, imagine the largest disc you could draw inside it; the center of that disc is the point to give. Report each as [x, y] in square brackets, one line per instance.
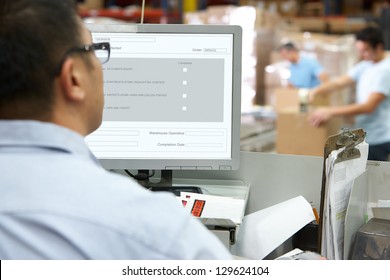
[92, 4]
[296, 136]
[314, 24]
[346, 25]
[288, 98]
[352, 7]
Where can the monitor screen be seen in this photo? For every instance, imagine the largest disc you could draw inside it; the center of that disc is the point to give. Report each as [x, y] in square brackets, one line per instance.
[172, 97]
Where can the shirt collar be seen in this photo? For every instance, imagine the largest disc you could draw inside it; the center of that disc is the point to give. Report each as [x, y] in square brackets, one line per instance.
[18, 133]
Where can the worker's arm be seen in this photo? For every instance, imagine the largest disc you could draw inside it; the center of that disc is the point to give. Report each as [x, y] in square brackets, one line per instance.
[323, 77]
[322, 115]
[331, 85]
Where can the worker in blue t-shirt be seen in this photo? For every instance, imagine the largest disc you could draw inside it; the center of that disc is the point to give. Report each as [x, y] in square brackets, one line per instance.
[371, 77]
[305, 72]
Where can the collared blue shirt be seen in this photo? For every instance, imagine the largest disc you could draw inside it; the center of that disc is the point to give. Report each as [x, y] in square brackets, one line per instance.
[56, 202]
[304, 73]
[373, 77]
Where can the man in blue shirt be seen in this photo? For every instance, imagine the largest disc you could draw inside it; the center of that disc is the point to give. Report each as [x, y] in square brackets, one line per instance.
[371, 76]
[56, 202]
[305, 72]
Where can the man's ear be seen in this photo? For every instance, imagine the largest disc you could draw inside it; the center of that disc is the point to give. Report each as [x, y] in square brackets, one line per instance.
[71, 81]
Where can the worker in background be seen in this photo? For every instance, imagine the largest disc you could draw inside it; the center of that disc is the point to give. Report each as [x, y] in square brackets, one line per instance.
[305, 72]
[56, 201]
[371, 76]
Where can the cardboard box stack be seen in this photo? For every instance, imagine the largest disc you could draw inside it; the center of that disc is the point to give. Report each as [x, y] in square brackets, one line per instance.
[353, 7]
[335, 52]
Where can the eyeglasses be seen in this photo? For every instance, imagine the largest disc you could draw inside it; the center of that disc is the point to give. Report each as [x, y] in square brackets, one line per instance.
[102, 52]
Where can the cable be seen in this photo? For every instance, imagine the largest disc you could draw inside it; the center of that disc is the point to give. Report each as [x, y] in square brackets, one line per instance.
[142, 11]
[140, 176]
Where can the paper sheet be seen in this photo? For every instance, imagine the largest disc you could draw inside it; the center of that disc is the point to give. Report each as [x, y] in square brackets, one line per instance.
[263, 231]
[215, 207]
[339, 182]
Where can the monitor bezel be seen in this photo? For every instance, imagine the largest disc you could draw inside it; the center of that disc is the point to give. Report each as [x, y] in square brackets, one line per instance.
[187, 164]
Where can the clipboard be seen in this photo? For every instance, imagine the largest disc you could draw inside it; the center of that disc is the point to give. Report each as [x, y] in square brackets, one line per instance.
[346, 138]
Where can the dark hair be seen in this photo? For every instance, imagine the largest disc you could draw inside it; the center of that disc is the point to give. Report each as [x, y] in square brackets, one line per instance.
[34, 36]
[288, 46]
[371, 35]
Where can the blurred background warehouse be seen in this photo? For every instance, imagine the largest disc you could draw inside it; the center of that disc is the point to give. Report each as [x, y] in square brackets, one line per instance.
[272, 119]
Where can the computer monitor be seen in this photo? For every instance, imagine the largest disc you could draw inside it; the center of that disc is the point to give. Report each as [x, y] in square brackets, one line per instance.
[172, 97]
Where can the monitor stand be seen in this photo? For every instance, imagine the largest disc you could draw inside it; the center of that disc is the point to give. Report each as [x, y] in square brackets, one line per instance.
[165, 183]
